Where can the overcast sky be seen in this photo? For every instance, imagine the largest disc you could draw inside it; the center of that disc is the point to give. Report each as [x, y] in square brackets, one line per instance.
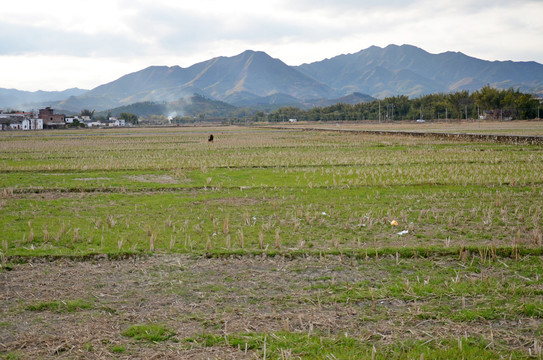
[59, 44]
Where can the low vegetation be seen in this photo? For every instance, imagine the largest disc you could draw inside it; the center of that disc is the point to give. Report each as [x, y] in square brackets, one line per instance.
[488, 102]
[269, 244]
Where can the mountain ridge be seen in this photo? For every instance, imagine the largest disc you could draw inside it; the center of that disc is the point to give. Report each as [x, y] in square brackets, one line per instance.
[253, 78]
[443, 70]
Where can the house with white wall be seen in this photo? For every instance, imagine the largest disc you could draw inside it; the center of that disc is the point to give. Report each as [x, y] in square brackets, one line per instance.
[32, 124]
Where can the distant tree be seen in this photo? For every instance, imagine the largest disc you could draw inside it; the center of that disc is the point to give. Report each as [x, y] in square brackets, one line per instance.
[76, 123]
[87, 112]
[154, 119]
[260, 116]
[129, 117]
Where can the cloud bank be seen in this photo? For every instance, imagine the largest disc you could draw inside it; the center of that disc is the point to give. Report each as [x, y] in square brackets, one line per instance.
[60, 44]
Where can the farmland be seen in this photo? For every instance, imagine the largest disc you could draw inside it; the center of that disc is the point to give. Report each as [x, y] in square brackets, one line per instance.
[270, 243]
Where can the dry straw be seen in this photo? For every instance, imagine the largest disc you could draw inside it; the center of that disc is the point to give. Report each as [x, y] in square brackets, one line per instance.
[261, 240]
[241, 239]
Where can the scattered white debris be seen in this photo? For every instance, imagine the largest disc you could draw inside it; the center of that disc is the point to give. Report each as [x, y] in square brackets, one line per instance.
[403, 232]
[324, 214]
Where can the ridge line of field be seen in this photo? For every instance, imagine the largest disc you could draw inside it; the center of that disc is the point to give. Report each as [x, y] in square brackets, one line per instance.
[119, 190]
[499, 138]
[462, 253]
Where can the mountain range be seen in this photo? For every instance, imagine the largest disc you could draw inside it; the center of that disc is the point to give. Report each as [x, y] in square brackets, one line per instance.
[408, 70]
[14, 98]
[253, 78]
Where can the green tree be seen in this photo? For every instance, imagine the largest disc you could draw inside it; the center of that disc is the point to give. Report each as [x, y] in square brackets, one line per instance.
[129, 117]
[87, 112]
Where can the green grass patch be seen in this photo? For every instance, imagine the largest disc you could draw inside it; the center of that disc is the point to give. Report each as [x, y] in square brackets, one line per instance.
[319, 346]
[61, 306]
[149, 332]
[117, 349]
[11, 356]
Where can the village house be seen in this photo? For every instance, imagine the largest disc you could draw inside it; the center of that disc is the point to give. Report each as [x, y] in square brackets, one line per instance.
[70, 120]
[93, 123]
[113, 121]
[46, 118]
[50, 119]
[32, 124]
[20, 121]
[11, 122]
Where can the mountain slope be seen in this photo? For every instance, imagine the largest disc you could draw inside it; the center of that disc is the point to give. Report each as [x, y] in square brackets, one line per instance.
[246, 76]
[189, 106]
[408, 70]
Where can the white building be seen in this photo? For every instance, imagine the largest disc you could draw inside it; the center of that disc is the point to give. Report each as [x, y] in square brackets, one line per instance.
[20, 121]
[113, 121]
[32, 124]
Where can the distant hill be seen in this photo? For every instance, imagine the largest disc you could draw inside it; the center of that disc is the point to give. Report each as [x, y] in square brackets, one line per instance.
[249, 100]
[14, 98]
[352, 99]
[408, 70]
[189, 106]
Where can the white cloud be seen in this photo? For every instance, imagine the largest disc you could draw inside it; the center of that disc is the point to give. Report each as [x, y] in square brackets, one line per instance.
[85, 43]
[38, 72]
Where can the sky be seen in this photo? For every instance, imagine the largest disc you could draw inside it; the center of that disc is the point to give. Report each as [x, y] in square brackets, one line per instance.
[59, 44]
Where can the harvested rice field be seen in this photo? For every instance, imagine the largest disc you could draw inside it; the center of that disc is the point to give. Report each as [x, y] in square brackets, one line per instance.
[270, 244]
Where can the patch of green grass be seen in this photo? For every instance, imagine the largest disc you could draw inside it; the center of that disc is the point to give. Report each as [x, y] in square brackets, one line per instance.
[318, 346]
[149, 332]
[534, 310]
[61, 306]
[117, 349]
[11, 356]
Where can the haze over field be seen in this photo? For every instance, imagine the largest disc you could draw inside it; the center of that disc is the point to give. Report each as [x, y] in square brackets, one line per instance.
[61, 44]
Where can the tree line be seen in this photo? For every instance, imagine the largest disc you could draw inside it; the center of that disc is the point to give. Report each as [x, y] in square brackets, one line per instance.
[487, 103]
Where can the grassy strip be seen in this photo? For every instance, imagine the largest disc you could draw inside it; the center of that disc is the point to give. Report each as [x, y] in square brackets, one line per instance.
[61, 306]
[288, 345]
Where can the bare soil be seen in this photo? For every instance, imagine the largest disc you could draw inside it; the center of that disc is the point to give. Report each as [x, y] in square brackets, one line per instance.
[195, 295]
